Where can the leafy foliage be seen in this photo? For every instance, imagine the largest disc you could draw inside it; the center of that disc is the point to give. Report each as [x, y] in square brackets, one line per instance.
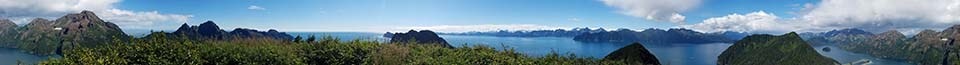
[159, 49]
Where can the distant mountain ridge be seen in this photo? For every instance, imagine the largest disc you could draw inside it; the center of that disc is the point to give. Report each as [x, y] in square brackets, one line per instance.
[658, 36]
[835, 37]
[533, 33]
[210, 31]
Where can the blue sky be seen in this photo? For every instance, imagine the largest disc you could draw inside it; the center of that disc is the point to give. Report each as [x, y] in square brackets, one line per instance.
[760, 16]
[386, 15]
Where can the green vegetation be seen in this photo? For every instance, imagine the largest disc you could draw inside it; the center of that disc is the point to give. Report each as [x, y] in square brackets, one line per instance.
[787, 49]
[634, 53]
[170, 50]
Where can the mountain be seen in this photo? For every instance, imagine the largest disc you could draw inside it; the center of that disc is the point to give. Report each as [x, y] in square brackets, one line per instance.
[84, 29]
[653, 36]
[928, 47]
[206, 30]
[210, 31]
[634, 53]
[8, 32]
[533, 33]
[250, 33]
[732, 34]
[787, 49]
[835, 37]
[388, 35]
[422, 37]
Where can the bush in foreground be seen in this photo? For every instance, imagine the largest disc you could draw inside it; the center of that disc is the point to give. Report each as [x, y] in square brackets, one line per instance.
[326, 51]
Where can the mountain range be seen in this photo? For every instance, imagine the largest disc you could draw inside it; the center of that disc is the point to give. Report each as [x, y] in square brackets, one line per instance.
[533, 33]
[86, 29]
[210, 31]
[658, 36]
[835, 37]
[928, 47]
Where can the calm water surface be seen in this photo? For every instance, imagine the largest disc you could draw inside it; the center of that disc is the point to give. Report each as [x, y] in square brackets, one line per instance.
[11, 56]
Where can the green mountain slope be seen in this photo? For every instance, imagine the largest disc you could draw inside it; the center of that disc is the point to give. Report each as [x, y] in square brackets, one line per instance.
[787, 49]
[634, 53]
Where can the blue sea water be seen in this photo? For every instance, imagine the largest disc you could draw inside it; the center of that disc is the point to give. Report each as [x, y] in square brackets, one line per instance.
[667, 53]
[12, 56]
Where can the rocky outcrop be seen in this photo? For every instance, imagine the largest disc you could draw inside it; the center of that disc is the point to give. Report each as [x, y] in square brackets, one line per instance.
[634, 54]
[420, 37]
[787, 49]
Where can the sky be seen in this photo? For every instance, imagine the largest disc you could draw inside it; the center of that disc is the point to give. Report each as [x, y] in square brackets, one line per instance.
[754, 16]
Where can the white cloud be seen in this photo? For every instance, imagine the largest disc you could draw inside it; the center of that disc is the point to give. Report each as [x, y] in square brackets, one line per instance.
[752, 22]
[488, 27]
[28, 9]
[870, 15]
[255, 7]
[885, 14]
[658, 10]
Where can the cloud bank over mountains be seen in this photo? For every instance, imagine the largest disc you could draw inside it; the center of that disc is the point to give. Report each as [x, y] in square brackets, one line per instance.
[24, 10]
[871, 15]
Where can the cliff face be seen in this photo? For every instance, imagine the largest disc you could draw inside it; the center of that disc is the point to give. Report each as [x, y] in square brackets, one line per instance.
[84, 29]
[787, 49]
[634, 53]
[421, 37]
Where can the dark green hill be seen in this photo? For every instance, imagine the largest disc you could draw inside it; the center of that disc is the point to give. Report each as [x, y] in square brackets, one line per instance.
[421, 37]
[633, 54]
[787, 49]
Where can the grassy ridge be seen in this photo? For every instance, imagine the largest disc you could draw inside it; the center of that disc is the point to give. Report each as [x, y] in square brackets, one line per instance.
[326, 51]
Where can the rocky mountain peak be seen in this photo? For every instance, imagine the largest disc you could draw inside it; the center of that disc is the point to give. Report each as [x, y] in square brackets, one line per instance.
[75, 30]
[6, 23]
[209, 29]
[892, 34]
